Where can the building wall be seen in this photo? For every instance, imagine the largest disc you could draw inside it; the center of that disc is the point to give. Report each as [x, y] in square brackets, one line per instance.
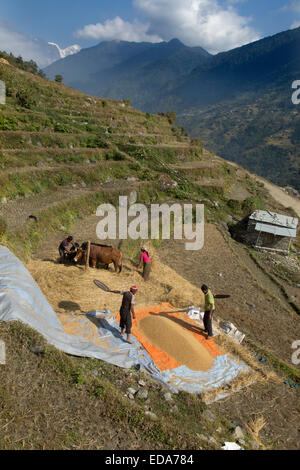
[2, 92]
[265, 240]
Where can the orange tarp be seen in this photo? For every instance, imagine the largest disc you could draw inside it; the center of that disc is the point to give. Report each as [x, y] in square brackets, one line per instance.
[161, 359]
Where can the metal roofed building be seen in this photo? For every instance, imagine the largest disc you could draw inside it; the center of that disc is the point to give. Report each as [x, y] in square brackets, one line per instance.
[270, 231]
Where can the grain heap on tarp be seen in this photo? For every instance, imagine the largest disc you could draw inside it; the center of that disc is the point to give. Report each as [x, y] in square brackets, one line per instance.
[177, 342]
[186, 359]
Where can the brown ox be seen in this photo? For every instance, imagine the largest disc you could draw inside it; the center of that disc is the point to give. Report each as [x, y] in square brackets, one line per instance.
[101, 255]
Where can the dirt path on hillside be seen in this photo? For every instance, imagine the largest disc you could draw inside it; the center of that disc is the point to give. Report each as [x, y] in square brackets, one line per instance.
[201, 165]
[281, 196]
[276, 192]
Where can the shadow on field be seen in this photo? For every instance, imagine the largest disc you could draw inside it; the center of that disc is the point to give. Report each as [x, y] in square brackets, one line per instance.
[69, 306]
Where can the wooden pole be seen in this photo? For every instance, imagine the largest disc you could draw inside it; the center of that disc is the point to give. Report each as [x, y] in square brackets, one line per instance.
[87, 261]
[289, 247]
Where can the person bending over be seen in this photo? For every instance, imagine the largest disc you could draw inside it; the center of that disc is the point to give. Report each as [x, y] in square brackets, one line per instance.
[65, 248]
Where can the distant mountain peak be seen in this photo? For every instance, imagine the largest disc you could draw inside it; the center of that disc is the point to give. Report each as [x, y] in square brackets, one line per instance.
[176, 41]
[67, 51]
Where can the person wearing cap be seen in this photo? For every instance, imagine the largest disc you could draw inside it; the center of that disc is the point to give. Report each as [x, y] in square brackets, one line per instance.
[209, 310]
[146, 261]
[64, 248]
[127, 308]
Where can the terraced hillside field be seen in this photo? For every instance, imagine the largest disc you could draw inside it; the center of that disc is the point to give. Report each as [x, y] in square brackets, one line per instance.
[62, 153]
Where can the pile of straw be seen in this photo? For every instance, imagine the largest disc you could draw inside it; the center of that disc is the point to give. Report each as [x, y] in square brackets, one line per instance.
[71, 289]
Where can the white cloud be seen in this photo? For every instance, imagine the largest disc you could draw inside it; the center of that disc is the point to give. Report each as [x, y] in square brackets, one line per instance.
[19, 44]
[294, 6]
[118, 29]
[195, 22]
[231, 2]
[198, 22]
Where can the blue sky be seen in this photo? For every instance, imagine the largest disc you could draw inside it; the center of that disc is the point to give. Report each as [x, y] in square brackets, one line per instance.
[215, 25]
[57, 20]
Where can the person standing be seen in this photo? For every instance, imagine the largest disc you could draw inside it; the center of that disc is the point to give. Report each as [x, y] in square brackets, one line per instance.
[127, 308]
[209, 310]
[145, 260]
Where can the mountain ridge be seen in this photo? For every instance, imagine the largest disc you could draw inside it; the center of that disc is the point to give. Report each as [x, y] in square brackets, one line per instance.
[247, 87]
[112, 60]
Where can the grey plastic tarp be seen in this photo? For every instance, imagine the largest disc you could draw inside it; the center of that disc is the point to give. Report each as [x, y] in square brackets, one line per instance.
[22, 300]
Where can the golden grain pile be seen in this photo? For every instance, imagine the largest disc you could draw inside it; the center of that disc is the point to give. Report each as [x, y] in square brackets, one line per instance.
[176, 341]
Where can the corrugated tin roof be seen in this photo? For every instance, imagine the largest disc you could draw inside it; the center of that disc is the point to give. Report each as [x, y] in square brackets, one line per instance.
[281, 231]
[280, 220]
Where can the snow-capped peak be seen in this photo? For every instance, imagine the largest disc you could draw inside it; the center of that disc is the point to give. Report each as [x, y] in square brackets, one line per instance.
[67, 51]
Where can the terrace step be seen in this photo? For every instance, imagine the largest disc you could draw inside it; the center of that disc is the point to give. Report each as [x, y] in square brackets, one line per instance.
[16, 213]
[66, 166]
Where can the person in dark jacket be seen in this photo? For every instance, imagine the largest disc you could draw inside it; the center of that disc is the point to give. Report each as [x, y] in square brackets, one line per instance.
[65, 248]
[127, 308]
[73, 251]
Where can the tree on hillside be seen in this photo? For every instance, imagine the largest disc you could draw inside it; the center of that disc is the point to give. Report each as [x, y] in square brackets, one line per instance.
[29, 66]
[59, 78]
[170, 115]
